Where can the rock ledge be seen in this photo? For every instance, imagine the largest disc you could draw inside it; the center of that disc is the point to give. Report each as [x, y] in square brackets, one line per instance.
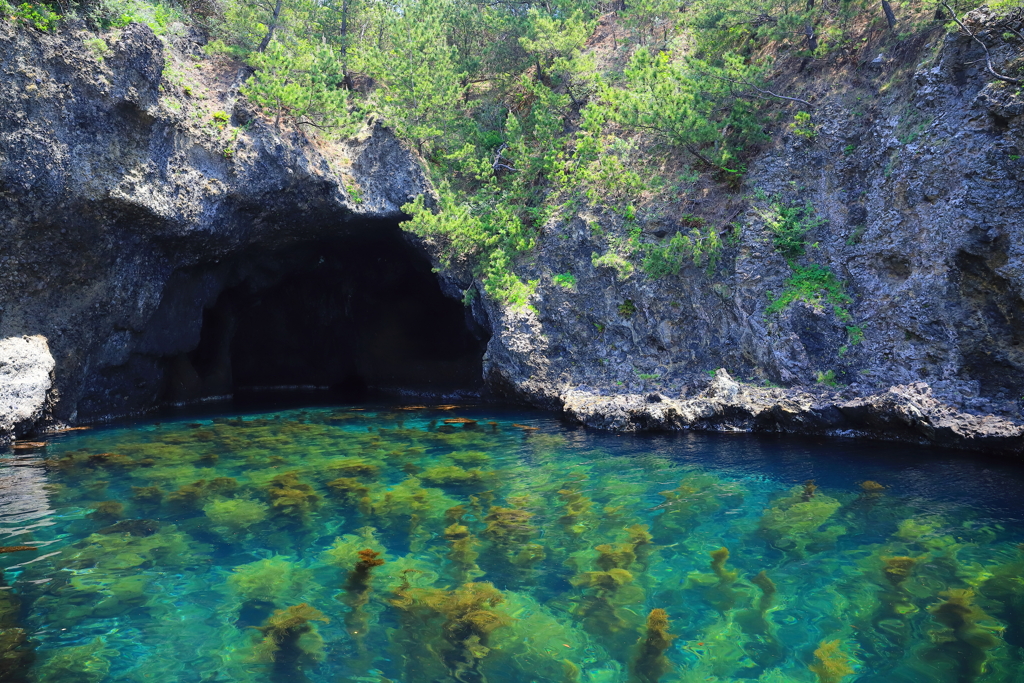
[905, 413]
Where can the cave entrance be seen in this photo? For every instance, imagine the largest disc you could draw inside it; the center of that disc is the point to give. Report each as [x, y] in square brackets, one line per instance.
[356, 315]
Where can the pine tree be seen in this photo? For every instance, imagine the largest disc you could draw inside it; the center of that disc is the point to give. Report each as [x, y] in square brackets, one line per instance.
[421, 87]
[302, 84]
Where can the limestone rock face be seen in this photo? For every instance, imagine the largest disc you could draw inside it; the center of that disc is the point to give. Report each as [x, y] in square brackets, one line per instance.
[26, 380]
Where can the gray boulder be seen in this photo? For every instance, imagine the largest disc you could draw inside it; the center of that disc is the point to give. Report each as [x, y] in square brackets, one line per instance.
[26, 378]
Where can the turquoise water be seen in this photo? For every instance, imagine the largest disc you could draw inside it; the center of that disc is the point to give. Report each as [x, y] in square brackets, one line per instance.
[382, 544]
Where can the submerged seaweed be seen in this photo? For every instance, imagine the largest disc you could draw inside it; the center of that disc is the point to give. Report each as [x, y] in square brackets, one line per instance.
[650, 663]
[444, 549]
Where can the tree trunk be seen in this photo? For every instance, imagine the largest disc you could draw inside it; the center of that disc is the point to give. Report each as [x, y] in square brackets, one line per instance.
[270, 29]
[889, 16]
[346, 78]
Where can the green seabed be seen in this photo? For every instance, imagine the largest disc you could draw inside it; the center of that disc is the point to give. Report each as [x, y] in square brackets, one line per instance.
[343, 544]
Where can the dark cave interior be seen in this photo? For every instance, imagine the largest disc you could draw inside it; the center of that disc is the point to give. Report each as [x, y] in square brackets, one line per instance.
[355, 315]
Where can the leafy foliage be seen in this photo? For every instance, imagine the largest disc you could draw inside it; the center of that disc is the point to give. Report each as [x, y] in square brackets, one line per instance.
[789, 224]
[816, 285]
[702, 246]
[518, 112]
[38, 16]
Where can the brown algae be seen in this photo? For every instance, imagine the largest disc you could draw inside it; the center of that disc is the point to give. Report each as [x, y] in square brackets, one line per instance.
[407, 544]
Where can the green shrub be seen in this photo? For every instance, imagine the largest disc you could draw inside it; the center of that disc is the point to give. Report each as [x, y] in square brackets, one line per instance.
[789, 224]
[702, 246]
[691, 103]
[816, 285]
[803, 127]
[855, 333]
[623, 268]
[97, 46]
[827, 378]
[39, 17]
[567, 280]
[158, 16]
[301, 85]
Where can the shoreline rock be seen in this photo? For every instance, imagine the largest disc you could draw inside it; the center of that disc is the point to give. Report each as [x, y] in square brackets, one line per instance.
[26, 385]
[906, 413]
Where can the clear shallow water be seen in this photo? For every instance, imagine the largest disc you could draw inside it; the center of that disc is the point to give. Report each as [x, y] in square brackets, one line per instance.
[342, 544]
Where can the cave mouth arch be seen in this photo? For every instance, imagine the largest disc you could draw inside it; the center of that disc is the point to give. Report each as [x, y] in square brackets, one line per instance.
[360, 315]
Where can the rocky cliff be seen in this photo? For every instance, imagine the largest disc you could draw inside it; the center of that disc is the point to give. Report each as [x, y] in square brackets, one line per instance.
[128, 203]
[132, 198]
[916, 178]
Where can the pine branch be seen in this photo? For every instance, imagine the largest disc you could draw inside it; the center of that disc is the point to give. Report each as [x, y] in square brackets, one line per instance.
[979, 41]
[754, 87]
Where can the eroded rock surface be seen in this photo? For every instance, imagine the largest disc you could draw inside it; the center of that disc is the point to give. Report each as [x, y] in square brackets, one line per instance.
[26, 381]
[905, 413]
[127, 208]
[916, 176]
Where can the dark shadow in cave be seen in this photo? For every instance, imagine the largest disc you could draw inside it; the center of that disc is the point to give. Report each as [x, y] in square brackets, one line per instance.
[356, 314]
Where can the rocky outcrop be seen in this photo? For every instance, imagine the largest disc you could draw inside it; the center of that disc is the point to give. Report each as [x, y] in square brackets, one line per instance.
[916, 178]
[903, 413]
[135, 187]
[26, 381]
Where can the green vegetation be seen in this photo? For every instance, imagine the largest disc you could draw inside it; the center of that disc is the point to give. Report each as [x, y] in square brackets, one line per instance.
[623, 268]
[828, 378]
[39, 17]
[566, 280]
[528, 113]
[803, 127]
[816, 285]
[98, 47]
[702, 246]
[789, 224]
